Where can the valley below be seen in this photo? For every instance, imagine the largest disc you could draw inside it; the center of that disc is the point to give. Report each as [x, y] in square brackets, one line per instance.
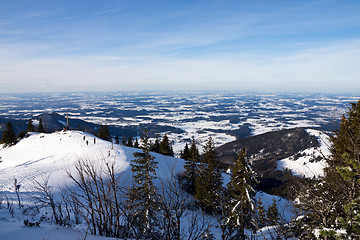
[286, 137]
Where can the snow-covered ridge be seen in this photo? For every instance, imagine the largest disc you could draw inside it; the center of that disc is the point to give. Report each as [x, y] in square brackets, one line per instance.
[307, 163]
[41, 155]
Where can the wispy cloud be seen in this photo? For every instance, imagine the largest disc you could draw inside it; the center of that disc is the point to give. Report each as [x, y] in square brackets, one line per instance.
[109, 11]
[330, 68]
[89, 14]
[68, 18]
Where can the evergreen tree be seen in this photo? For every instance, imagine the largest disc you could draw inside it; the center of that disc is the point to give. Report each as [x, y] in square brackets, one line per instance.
[272, 214]
[117, 141]
[130, 142]
[333, 201]
[194, 152]
[41, 127]
[346, 159]
[21, 135]
[165, 147]
[104, 133]
[186, 153]
[143, 168]
[191, 170]
[136, 144]
[8, 138]
[208, 183]
[261, 214]
[30, 126]
[242, 195]
[124, 141]
[156, 146]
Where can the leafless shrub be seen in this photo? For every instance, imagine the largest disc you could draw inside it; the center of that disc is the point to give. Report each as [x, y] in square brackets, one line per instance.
[97, 192]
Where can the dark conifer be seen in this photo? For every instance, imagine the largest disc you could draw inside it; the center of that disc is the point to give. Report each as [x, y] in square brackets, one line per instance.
[136, 144]
[143, 168]
[130, 142]
[185, 154]
[208, 183]
[8, 137]
[104, 133]
[156, 146]
[334, 201]
[124, 141]
[22, 134]
[272, 214]
[165, 147]
[346, 160]
[194, 151]
[117, 141]
[242, 195]
[191, 170]
[261, 214]
[30, 126]
[41, 127]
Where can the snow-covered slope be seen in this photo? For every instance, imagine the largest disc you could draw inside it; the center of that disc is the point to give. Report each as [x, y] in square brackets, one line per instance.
[307, 164]
[41, 155]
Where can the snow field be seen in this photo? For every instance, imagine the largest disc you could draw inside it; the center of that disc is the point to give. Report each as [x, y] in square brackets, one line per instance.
[41, 155]
[303, 166]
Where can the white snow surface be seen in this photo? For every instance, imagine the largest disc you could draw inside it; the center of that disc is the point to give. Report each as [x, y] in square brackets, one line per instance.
[50, 155]
[12, 228]
[302, 166]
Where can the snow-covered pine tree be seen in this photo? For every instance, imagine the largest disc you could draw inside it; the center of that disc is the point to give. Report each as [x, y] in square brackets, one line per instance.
[242, 196]
[261, 214]
[346, 159]
[143, 190]
[191, 167]
[272, 214]
[332, 203]
[209, 180]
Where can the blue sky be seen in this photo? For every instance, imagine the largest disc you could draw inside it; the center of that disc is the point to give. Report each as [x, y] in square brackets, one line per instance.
[73, 45]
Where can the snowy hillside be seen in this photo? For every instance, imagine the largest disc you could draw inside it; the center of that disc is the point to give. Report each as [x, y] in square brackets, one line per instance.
[50, 155]
[43, 155]
[307, 163]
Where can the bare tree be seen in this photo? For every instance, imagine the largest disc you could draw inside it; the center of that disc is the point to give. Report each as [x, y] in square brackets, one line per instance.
[97, 192]
[46, 197]
[178, 220]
